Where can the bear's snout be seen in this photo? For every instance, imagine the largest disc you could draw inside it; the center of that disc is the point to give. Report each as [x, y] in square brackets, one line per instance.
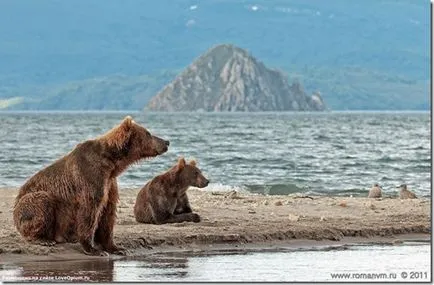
[160, 145]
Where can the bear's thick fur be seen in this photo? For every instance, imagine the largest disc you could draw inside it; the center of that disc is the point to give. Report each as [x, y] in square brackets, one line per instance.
[164, 198]
[75, 198]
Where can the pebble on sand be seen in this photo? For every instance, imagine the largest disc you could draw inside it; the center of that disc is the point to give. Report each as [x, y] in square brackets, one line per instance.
[293, 218]
[233, 195]
[278, 203]
[370, 206]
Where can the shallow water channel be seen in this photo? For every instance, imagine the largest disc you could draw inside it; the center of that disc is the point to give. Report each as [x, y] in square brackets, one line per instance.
[408, 261]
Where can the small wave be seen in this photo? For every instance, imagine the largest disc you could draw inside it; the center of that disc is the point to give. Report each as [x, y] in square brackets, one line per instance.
[388, 191]
[233, 159]
[321, 138]
[354, 164]
[374, 123]
[423, 160]
[308, 156]
[339, 146]
[24, 162]
[278, 162]
[417, 148]
[385, 178]
[388, 159]
[355, 192]
[275, 189]
[348, 192]
[349, 157]
[420, 167]
[217, 187]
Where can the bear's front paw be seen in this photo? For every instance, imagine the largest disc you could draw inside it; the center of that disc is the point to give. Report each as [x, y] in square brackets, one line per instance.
[95, 252]
[88, 249]
[103, 253]
[120, 251]
[195, 218]
[117, 250]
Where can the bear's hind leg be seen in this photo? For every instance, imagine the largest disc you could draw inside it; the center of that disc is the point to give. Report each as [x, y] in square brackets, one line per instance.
[87, 218]
[104, 232]
[34, 218]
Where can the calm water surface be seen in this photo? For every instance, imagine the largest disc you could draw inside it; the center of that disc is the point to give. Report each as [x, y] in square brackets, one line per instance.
[315, 264]
[276, 153]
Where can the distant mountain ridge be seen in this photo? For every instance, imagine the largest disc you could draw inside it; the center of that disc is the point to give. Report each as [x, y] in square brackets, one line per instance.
[228, 78]
[116, 92]
[371, 54]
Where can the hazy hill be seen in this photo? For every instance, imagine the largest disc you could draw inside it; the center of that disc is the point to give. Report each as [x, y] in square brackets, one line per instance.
[371, 54]
[115, 92]
[228, 78]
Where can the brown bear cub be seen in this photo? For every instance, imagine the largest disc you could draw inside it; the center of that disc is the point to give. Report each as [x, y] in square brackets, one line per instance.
[75, 198]
[164, 198]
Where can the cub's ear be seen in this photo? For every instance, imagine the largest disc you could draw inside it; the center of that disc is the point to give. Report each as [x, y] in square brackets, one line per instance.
[193, 163]
[181, 163]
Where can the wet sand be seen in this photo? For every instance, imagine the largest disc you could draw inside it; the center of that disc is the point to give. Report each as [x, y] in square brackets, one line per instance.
[242, 221]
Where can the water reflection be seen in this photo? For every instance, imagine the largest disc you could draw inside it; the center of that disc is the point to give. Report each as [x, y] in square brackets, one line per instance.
[307, 264]
[151, 268]
[58, 271]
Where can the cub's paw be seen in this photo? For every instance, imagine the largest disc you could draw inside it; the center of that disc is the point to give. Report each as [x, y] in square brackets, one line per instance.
[195, 218]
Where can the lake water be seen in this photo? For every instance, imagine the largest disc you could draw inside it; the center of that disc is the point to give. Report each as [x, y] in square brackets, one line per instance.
[337, 153]
[409, 261]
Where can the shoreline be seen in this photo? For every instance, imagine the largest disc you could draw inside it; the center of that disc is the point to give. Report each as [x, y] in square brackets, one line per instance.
[224, 249]
[237, 221]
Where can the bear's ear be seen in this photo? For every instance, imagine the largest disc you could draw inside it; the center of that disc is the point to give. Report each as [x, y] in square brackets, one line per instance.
[181, 163]
[193, 163]
[127, 122]
[119, 135]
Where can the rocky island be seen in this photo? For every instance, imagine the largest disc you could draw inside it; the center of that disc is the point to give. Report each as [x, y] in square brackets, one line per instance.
[228, 78]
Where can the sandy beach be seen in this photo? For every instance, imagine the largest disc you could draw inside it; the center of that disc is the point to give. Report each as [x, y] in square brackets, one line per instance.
[232, 219]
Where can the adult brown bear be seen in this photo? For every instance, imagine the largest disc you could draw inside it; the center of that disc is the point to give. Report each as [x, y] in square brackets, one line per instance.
[75, 198]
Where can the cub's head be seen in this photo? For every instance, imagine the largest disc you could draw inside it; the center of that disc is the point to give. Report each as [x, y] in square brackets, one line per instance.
[189, 174]
[131, 141]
